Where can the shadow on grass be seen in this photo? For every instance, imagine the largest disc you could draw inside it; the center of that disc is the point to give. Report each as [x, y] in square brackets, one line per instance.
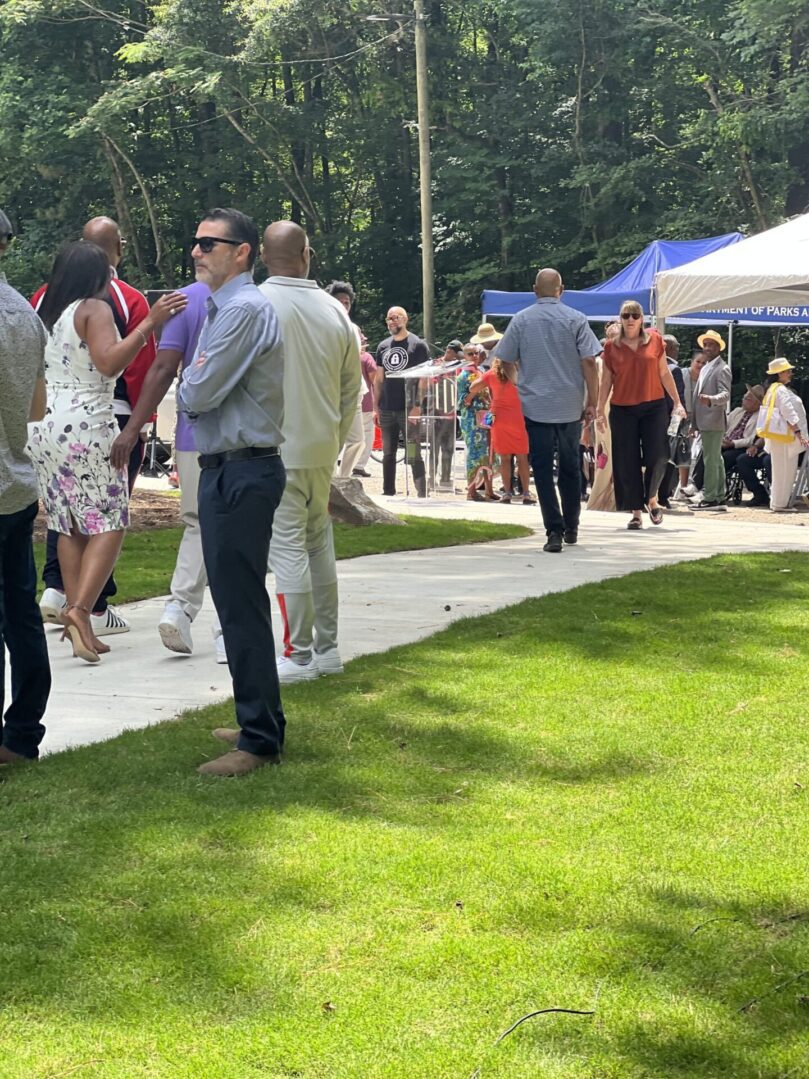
[129, 881]
[722, 975]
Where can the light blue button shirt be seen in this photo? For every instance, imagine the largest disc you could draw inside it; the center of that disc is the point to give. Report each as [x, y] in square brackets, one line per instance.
[550, 340]
[232, 391]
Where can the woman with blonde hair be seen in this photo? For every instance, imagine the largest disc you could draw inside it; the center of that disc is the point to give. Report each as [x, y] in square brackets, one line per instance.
[635, 380]
[782, 424]
[509, 436]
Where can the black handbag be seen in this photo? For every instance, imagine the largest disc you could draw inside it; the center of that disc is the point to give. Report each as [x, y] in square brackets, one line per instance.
[680, 447]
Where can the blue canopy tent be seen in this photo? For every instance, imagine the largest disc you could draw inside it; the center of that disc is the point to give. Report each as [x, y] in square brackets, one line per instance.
[636, 282]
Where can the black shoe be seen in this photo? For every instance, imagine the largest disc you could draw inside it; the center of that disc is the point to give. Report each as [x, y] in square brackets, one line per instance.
[361, 472]
[554, 542]
[571, 536]
[713, 505]
[755, 501]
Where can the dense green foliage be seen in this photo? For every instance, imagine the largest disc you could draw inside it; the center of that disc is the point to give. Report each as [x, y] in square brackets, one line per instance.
[569, 134]
[595, 800]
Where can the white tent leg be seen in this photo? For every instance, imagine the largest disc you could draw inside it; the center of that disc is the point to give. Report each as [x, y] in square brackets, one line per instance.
[730, 345]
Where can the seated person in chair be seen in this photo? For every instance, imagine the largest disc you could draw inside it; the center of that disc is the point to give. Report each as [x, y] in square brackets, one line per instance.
[749, 465]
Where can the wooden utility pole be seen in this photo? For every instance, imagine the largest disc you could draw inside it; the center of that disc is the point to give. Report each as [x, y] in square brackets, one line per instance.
[425, 174]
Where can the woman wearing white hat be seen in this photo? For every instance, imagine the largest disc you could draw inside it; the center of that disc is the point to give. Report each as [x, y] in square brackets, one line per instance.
[782, 423]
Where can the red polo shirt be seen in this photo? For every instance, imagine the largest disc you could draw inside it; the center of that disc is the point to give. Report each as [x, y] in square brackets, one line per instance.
[133, 307]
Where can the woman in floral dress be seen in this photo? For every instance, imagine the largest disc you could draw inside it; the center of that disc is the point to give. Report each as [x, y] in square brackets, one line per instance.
[86, 499]
[478, 466]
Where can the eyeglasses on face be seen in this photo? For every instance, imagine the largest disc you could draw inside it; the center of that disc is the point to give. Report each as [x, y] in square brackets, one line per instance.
[631, 314]
[205, 243]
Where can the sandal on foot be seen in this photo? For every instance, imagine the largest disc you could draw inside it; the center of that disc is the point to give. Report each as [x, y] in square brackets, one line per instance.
[655, 515]
[635, 524]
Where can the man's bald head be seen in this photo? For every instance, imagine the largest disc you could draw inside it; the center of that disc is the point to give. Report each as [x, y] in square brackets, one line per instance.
[285, 251]
[548, 283]
[104, 233]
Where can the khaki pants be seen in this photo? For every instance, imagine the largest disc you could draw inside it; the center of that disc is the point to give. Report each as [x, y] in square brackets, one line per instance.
[189, 579]
[302, 559]
[784, 470]
[354, 447]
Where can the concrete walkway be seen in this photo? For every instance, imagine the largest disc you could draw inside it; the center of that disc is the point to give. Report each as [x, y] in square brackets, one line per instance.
[386, 600]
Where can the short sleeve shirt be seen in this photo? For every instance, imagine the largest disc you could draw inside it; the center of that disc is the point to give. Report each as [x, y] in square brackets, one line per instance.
[635, 373]
[22, 361]
[395, 356]
[550, 340]
[181, 333]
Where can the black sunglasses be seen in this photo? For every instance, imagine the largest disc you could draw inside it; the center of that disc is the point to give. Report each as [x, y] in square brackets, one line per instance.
[205, 243]
[631, 314]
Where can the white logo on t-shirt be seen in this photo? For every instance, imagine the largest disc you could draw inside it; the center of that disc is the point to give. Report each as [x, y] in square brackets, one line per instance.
[395, 358]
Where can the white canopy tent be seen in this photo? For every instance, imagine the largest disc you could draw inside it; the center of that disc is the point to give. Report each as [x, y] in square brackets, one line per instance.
[767, 273]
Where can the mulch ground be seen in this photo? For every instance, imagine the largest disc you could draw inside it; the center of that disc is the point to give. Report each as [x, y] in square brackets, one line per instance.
[148, 509]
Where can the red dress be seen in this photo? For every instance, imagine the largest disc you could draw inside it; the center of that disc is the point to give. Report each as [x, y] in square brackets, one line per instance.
[508, 431]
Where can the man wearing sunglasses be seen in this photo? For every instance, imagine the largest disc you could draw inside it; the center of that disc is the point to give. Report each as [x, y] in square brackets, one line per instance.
[233, 394]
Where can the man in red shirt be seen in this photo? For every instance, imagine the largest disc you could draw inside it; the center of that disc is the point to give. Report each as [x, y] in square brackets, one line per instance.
[129, 308]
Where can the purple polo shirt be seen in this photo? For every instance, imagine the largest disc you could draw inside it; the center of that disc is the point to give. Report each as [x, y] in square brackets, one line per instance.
[182, 332]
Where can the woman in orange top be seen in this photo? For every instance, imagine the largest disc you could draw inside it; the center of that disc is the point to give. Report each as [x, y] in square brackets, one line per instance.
[509, 436]
[636, 373]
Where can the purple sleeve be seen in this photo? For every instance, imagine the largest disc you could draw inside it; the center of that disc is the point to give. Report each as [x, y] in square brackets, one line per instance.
[175, 334]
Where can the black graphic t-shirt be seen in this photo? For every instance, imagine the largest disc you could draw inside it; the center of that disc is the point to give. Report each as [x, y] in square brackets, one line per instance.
[393, 357]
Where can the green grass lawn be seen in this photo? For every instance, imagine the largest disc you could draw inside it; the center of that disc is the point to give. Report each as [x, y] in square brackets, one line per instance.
[593, 801]
[147, 559]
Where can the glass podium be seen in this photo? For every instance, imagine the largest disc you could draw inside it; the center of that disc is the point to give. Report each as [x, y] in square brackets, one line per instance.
[431, 403]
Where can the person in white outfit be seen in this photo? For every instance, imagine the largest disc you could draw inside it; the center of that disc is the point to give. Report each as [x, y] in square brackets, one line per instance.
[321, 388]
[782, 424]
[178, 347]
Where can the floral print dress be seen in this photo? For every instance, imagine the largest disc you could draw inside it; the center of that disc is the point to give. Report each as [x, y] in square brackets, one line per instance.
[71, 445]
[476, 438]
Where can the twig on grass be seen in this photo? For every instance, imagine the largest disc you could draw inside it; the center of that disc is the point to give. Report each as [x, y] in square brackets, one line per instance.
[541, 1011]
[781, 985]
[75, 1068]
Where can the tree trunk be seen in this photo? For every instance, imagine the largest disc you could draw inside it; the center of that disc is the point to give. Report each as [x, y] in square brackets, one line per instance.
[122, 208]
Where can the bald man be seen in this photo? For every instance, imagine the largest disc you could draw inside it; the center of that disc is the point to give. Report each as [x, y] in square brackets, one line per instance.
[395, 354]
[129, 308]
[321, 387]
[554, 351]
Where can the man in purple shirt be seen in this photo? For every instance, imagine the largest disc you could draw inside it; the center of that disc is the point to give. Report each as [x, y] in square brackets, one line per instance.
[178, 346]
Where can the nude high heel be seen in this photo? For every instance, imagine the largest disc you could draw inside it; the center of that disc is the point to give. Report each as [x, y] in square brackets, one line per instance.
[82, 646]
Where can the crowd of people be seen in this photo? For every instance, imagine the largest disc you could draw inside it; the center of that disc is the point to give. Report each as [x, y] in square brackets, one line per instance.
[275, 385]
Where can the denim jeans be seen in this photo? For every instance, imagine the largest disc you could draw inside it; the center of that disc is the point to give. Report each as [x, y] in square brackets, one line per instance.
[544, 440]
[392, 425]
[22, 633]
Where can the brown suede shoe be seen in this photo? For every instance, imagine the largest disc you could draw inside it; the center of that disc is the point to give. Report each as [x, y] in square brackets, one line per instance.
[237, 763]
[7, 757]
[227, 734]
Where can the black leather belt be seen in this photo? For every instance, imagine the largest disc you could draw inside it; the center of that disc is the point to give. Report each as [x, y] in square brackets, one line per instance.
[214, 460]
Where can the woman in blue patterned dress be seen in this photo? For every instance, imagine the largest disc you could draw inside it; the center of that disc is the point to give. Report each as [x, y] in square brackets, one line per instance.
[478, 467]
[86, 499]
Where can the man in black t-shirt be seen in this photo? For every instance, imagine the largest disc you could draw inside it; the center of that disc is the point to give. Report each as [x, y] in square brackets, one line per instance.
[396, 353]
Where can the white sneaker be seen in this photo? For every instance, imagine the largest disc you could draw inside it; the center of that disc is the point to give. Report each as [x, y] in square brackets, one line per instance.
[52, 605]
[221, 651]
[108, 623]
[689, 490]
[290, 672]
[175, 630]
[328, 662]
[679, 495]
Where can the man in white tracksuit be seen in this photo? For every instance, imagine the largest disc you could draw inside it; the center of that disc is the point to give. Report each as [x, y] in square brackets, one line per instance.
[321, 385]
